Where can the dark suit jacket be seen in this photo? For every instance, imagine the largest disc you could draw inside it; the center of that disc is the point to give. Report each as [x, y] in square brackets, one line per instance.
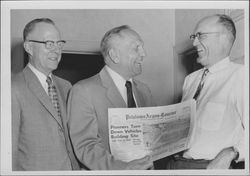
[88, 105]
[40, 139]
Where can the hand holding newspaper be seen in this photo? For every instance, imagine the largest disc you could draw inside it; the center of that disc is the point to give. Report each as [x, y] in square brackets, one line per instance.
[156, 131]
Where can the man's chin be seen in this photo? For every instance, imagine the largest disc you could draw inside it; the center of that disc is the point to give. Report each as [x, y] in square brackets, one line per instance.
[200, 59]
[53, 67]
[136, 73]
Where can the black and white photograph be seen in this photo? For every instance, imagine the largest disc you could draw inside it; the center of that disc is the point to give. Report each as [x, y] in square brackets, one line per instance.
[125, 88]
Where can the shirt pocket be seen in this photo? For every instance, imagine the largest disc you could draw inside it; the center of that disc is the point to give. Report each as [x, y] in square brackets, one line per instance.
[212, 116]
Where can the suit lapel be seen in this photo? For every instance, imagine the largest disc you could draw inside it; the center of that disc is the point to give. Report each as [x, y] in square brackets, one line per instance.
[113, 93]
[138, 96]
[37, 89]
[61, 99]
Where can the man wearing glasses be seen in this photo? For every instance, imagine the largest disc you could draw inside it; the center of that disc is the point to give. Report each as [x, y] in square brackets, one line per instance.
[218, 138]
[40, 139]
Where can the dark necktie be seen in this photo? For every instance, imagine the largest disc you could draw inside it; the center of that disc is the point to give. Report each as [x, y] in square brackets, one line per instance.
[201, 84]
[130, 98]
[53, 95]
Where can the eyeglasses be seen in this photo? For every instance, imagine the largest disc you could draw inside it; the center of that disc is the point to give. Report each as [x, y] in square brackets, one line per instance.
[49, 44]
[200, 35]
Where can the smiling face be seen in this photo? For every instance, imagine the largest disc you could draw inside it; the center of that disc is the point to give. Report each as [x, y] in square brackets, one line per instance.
[210, 47]
[41, 58]
[130, 53]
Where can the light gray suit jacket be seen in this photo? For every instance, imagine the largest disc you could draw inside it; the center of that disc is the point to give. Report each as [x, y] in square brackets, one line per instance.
[88, 105]
[40, 140]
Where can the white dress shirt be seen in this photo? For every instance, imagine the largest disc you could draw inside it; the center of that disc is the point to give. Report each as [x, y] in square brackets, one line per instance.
[220, 110]
[41, 77]
[120, 83]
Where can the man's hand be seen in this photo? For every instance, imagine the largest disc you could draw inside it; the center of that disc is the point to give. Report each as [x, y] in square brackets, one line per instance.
[223, 159]
[140, 164]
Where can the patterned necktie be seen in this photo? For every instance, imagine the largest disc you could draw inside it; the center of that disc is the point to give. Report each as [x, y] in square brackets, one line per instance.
[130, 98]
[201, 84]
[53, 95]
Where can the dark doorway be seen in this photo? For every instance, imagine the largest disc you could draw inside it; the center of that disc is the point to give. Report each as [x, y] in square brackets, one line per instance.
[75, 67]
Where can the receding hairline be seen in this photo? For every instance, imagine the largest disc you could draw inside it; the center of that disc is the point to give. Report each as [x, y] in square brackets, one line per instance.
[114, 36]
[210, 20]
[124, 34]
[37, 26]
[129, 31]
[214, 19]
[30, 26]
[224, 21]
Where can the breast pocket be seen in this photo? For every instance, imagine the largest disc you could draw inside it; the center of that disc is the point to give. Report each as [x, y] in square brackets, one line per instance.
[212, 116]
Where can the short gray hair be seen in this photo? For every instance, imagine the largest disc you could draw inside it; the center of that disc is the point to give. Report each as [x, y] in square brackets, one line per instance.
[228, 23]
[105, 42]
[31, 25]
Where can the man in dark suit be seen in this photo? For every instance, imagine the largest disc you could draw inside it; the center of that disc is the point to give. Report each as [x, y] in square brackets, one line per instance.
[40, 139]
[90, 100]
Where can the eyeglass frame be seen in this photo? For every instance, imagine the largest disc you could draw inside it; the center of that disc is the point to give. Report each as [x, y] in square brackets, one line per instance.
[46, 43]
[199, 34]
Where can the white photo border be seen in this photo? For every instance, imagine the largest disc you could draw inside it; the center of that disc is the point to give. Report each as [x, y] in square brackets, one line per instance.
[7, 6]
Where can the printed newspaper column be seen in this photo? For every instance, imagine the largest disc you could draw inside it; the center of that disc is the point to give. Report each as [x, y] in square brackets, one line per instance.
[157, 131]
[125, 135]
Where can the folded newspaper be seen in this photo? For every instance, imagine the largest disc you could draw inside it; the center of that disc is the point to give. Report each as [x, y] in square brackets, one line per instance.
[156, 131]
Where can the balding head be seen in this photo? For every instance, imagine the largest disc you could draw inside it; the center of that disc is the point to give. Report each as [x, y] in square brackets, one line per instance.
[213, 39]
[225, 22]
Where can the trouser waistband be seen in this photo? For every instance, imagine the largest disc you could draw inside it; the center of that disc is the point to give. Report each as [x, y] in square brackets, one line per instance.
[179, 162]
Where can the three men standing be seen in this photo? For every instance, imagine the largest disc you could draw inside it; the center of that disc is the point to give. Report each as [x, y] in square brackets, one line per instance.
[42, 135]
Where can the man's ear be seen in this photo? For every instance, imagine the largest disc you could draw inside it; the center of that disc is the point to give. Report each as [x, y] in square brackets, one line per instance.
[28, 48]
[113, 56]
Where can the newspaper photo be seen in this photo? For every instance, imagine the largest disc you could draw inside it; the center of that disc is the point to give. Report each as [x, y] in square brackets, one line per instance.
[156, 131]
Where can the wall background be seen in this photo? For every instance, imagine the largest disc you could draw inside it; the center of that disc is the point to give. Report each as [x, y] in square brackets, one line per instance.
[165, 33]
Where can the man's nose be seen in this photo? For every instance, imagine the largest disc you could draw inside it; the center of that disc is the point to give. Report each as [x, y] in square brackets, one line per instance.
[196, 41]
[143, 52]
[56, 49]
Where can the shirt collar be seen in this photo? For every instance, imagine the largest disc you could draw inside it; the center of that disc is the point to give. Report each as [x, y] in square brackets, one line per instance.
[42, 77]
[219, 65]
[117, 78]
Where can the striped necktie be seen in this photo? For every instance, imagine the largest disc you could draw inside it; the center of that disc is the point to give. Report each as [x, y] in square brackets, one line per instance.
[201, 84]
[53, 95]
[130, 97]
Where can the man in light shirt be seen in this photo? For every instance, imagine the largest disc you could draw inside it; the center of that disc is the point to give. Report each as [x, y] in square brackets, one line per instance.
[40, 139]
[218, 137]
[89, 100]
